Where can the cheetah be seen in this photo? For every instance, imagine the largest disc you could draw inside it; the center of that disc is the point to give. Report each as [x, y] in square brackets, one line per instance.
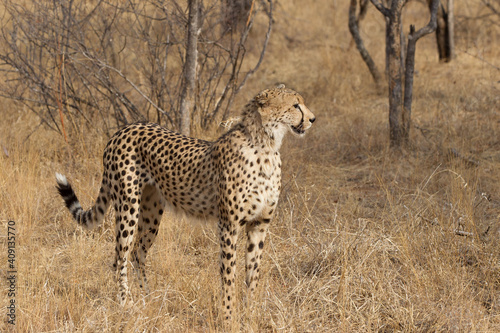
[235, 180]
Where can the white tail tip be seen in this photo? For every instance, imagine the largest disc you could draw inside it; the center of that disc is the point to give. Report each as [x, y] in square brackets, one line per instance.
[61, 179]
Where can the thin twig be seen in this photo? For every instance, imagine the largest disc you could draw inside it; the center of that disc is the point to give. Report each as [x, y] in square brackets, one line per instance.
[117, 71]
[264, 47]
[480, 58]
[463, 233]
[60, 66]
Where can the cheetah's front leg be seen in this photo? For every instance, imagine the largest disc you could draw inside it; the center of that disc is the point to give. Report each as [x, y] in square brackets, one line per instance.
[256, 235]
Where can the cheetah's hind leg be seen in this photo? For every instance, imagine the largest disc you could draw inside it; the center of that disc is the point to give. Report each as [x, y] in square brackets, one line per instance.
[151, 210]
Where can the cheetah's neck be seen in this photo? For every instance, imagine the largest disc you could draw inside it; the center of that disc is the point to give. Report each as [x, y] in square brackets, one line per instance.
[268, 136]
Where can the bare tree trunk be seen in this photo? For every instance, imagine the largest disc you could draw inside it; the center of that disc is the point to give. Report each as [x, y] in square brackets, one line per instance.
[387, 46]
[187, 95]
[413, 37]
[395, 73]
[444, 31]
[442, 34]
[354, 29]
[393, 62]
[399, 114]
[451, 29]
[403, 50]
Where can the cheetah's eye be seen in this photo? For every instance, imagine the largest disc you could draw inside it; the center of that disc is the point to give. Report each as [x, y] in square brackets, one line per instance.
[297, 106]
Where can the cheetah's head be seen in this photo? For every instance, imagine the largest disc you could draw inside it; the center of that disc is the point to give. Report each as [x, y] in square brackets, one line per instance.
[283, 109]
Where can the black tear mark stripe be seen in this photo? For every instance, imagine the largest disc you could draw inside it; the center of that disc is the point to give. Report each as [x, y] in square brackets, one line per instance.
[301, 120]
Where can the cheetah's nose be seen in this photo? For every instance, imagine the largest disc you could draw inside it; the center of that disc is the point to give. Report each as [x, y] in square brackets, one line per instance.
[312, 120]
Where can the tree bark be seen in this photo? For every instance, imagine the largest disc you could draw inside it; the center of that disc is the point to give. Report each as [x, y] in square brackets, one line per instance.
[410, 69]
[413, 37]
[444, 31]
[191, 61]
[394, 66]
[354, 29]
[451, 29]
[395, 73]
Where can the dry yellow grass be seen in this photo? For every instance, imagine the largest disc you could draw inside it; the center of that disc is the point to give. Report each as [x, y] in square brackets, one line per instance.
[364, 239]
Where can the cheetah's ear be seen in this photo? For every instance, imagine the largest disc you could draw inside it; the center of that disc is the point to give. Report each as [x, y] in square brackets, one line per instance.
[280, 86]
[262, 97]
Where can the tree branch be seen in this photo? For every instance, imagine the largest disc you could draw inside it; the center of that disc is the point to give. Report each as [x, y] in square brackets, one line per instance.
[354, 29]
[384, 10]
[410, 65]
[117, 71]
[264, 47]
[431, 26]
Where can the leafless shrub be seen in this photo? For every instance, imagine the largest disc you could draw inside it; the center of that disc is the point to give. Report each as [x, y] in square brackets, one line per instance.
[236, 12]
[103, 64]
[494, 10]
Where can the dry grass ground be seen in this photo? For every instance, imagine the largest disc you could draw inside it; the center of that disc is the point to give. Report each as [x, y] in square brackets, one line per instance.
[364, 239]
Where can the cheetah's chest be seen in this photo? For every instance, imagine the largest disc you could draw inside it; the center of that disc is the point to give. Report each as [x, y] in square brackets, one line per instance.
[260, 187]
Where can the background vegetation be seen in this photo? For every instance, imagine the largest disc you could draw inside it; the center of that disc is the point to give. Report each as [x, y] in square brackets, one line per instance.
[365, 239]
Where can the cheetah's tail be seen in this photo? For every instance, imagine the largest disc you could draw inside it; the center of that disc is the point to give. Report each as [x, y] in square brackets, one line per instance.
[89, 219]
